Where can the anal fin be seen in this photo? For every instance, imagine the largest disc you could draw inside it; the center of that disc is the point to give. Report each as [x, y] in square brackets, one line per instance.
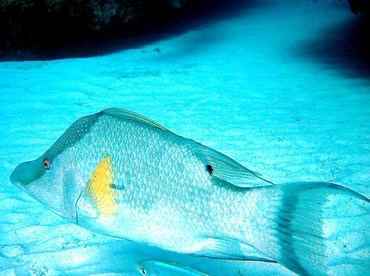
[231, 250]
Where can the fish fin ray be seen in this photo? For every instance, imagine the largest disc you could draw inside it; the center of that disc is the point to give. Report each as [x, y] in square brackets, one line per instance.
[133, 116]
[98, 196]
[227, 169]
[298, 229]
[230, 249]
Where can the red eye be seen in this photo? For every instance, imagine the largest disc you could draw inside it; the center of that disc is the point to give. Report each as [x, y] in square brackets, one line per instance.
[46, 164]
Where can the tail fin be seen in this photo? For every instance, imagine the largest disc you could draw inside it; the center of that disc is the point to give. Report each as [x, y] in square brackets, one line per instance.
[320, 229]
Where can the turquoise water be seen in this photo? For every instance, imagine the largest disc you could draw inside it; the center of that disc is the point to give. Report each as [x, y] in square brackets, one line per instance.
[275, 85]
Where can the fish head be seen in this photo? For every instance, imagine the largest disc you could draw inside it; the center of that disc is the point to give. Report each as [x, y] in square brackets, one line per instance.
[51, 181]
[54, 178]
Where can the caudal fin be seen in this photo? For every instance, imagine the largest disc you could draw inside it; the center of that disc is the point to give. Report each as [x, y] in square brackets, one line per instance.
[320, 229]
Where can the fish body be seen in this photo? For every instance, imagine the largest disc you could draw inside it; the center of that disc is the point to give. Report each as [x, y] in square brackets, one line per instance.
[153, 267]
[121, 174]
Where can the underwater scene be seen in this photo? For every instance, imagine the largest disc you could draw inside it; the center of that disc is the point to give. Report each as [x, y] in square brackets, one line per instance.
[215, 138]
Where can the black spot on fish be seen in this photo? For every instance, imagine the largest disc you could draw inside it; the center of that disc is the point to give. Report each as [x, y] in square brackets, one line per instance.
[209, 169]
[115, 187]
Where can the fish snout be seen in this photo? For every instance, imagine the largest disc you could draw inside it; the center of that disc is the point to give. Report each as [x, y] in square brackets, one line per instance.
[26, 173]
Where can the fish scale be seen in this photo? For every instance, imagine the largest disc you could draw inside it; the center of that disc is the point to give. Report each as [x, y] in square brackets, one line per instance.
[179, 195]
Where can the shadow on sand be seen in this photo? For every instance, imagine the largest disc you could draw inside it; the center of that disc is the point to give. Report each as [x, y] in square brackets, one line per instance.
[344, 48]
[87, 45]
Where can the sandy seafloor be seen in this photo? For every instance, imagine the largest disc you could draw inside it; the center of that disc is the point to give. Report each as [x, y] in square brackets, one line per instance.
[277, 85]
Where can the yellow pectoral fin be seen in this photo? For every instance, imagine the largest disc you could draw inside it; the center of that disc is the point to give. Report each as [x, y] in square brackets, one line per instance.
[98, 192]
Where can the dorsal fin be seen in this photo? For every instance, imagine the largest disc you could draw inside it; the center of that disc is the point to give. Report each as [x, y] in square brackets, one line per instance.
[227, 169]
[99, 198]
[222, 166]
[130, 115]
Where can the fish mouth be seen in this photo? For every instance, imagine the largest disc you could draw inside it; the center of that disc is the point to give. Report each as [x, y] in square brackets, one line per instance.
[26, 173]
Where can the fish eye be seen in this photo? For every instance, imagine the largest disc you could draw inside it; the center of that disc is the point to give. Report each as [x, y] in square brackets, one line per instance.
[46, 164]
[143, 271]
